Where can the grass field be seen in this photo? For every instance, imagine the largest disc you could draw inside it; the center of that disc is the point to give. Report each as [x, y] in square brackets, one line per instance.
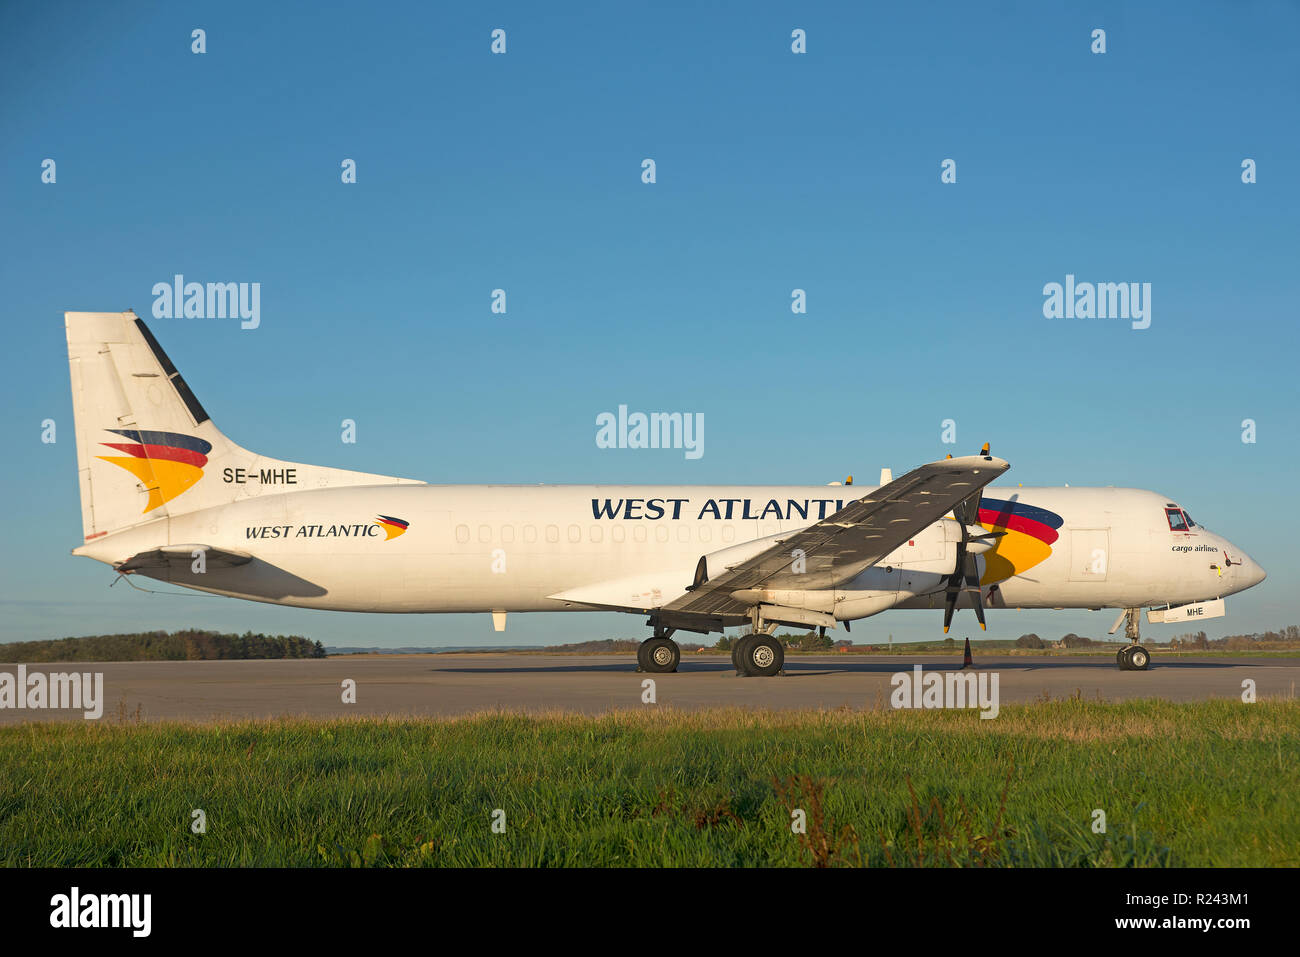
[1214, 783]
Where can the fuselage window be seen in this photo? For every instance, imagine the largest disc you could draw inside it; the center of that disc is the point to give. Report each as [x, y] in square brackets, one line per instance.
[728, 533]
[596, 533]
[462, 533]
[638, 532]
[706, 533]
[575, 534]
[552, 533]
[661, 533]
[530, 533]
[507, 533]
[1177, 522]
[485, 533]
[617, 533]
[683, 533]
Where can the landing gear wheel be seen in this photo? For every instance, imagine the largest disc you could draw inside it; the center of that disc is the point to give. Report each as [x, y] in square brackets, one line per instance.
[1138, 658]
[661, 656]
[762, 657]
[640, 655]
[1119, 659]
[739, 653]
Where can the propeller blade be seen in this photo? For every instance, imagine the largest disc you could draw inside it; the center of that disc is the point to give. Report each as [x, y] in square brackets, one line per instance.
[973, 587]
[965, 575]
[953, 588]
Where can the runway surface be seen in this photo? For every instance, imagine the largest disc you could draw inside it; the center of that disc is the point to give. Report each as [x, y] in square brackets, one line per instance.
[465, 683]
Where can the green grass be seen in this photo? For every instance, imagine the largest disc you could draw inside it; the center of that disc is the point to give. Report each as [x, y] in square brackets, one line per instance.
[1206, 784]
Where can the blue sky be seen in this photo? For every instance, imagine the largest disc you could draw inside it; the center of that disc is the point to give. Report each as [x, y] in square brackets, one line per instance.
[775, 171]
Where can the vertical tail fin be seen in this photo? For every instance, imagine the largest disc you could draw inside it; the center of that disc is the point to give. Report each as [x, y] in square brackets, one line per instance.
[146, 449]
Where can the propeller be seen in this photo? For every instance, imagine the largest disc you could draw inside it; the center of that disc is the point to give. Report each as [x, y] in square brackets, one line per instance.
[965, 574]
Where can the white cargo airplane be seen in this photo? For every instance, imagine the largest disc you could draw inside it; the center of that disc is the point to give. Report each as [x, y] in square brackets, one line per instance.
[166, 495]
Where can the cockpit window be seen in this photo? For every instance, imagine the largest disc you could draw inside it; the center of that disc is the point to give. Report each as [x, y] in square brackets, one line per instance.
[1188, 515]
[1177, 521]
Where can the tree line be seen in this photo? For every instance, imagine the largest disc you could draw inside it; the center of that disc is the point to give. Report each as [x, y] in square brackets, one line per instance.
[1256, 641]
[1287, 637]
[187, 645]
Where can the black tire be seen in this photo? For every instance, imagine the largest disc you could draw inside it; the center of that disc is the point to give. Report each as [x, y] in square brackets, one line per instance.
[1122, 658]
[739, 653]
[735, 653]
[640, 655]
[1119, 659]
[764, 656]
[661, 656]
[1139, 659]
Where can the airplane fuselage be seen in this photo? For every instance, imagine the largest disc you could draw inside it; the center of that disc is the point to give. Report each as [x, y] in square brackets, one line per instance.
[632, 548]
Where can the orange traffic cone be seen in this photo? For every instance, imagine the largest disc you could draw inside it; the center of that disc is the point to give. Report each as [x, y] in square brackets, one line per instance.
[968, 662]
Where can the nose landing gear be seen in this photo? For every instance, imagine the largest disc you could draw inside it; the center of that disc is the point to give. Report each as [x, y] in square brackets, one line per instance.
[1132, 657]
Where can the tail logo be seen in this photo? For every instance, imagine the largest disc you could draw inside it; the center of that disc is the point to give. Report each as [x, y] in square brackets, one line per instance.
[166, 463]
[393, 526]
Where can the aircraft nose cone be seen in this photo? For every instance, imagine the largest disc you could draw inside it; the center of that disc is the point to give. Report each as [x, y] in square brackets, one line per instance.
[1250, 572]
[1255, 573]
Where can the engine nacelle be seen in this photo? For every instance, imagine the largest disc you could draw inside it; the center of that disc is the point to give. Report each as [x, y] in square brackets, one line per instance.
[920, 566]
[716, 563]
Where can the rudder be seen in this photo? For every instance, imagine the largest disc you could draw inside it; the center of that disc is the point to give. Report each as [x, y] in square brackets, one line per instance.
[146, 448]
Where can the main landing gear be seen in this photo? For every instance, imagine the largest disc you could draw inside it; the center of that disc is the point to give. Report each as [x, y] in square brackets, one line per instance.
[1132, 657]
[759, 654]
[756, 655]
[659, 654]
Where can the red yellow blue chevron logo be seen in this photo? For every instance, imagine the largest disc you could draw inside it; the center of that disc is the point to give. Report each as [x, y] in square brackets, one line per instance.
[166, 463]
[393, 526]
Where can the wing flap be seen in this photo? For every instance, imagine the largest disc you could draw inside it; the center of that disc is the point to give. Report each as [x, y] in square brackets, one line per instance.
[839, 548]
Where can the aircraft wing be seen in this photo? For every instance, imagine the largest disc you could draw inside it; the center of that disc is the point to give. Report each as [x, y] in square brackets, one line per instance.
[844, 544]
[167, 556]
